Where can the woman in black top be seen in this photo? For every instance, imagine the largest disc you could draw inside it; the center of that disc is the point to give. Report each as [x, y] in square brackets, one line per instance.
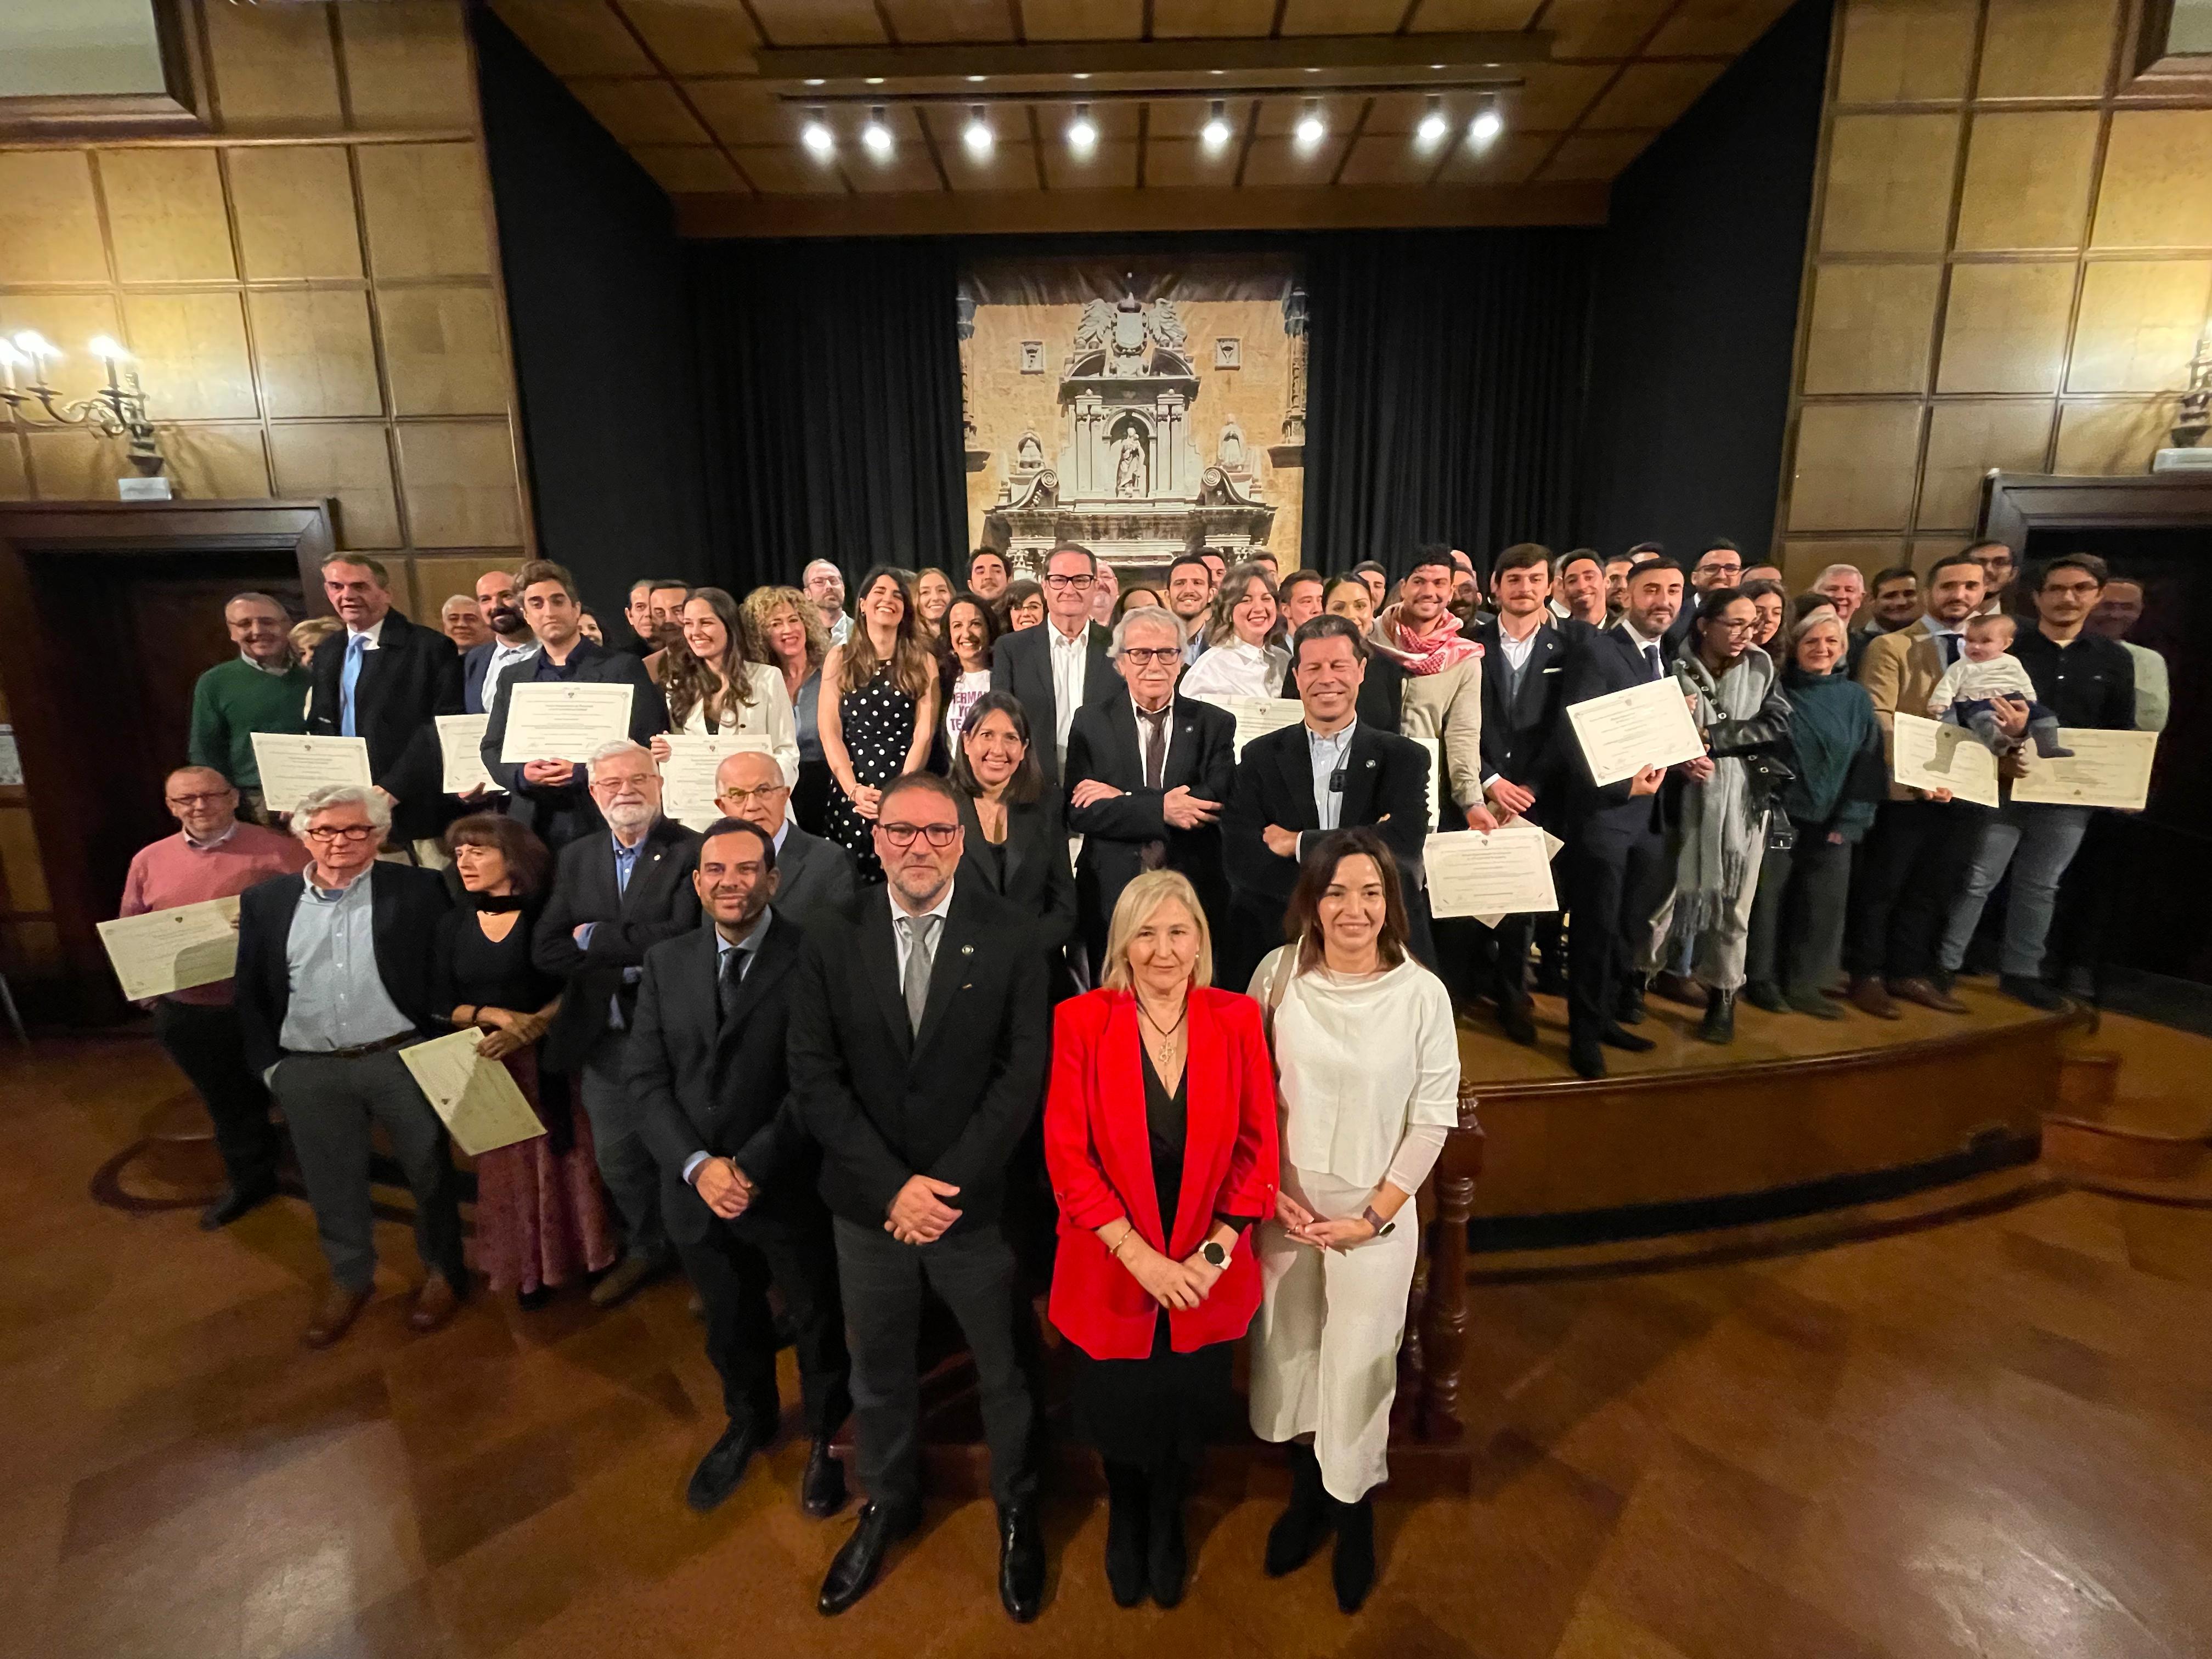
[1017, 844]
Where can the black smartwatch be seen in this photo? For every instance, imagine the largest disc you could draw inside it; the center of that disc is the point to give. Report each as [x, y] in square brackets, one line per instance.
[1215, 1256]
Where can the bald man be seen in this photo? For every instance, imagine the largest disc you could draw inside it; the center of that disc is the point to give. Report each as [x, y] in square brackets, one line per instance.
[813, 875]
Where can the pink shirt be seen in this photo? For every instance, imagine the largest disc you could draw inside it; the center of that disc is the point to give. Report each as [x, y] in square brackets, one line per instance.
[172, 871]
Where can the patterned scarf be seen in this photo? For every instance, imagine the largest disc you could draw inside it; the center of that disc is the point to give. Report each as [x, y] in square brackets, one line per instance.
[1423, 654]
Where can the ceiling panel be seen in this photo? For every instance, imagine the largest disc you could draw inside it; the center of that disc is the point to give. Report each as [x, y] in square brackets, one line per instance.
[1724, 27]
[1595, 155]
[1651, 94]
[743, 114]
[1473, 16]
[1388, 159]
[1509, 159]
[819, 23]
[575, 37]
[1601, 29]
[695, 37]
[918, 23]
[1552, 95]
[785, 170]
[688, 169]
[1081, 19]
[1342, 16]
[1174, 19]
[640, 111]
[1286, 161]
[1176, 163]
[1111, 165]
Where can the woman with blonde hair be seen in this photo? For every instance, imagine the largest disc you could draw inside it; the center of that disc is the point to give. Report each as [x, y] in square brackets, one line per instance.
[715, 688]
[1160, 1138]
[876, 709]
[1244, 655]
[785, 631]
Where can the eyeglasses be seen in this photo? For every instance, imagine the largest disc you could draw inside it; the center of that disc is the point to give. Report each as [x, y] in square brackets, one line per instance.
[940, 835]
[351, 832]
[764, 794]
[1069, 581]
[205, 799]
[1142, 654]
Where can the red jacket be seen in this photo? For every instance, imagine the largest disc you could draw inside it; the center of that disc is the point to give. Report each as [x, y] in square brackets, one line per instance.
[1097, 1146]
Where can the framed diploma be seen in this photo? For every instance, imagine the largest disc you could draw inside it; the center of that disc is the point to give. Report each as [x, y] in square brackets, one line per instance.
[163, 951]
[460, 745]
[1491, 876]
[1925, 754]
[1623, 731]
[291, 766]
[562, 720]
[2106, 768]
[687, 777]
[477, 1099]
[1257, 716]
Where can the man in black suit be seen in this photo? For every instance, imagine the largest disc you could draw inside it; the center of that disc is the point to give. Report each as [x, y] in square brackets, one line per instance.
[813, 875]
[1147, 773]
[385, 679]
[707, 1067]
[616, 894]
[919, 1033]
[511, 640]
[334, 974]
[550, 796]
[1329, 772]
[1062, 667]
[1524, 658]
[1616, 865]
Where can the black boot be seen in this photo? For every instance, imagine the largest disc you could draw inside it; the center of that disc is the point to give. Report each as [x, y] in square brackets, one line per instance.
[1168, 1562]
[1719, 1022]
[1128, 1499]
[1299, 1529]
[1351, 1568]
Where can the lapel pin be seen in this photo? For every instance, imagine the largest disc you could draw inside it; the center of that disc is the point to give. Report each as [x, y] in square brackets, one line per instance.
[1371, 766]
[967, 950]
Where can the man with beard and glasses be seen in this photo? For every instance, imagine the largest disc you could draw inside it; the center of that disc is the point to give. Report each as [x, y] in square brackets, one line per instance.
[511, 640]
[263, 689]
[823, 584]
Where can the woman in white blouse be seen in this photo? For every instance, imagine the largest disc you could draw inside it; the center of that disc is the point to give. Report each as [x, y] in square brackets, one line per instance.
[1362, 1121]
[1243, 657]
[714, 687]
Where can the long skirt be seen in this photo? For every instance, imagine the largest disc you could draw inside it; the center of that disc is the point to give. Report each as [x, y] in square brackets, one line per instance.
[540, 1218]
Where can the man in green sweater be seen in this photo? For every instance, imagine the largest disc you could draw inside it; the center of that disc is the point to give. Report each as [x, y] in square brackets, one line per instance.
[261, 689]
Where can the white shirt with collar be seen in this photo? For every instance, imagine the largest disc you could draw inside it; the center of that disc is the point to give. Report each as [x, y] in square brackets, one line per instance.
[371, 637]
[1070, 660]
[1939, 631]
[1144, 733]
[504, 656]
[1329, 756]
[748, 950]
[942, 908]
[1643, 646]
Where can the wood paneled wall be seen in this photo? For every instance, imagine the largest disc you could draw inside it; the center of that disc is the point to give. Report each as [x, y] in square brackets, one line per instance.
[313, 297]
[2011, 265]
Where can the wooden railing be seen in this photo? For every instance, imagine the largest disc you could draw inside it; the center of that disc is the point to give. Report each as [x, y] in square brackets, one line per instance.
[1435, 1345]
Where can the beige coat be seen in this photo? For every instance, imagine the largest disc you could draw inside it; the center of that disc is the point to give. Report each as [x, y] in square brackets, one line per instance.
[1448, 707]
[1899, 671]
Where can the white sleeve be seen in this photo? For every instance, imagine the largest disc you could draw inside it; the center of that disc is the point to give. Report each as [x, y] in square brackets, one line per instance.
[1947, 689]
[1436, 1088]
[777, 721]
[1416, 1154]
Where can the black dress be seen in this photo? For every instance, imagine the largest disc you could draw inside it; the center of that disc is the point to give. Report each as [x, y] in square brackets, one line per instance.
[1164, 1408]
[876, 725]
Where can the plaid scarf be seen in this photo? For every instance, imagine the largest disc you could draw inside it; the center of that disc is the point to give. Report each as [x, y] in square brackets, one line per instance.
[1423, 654]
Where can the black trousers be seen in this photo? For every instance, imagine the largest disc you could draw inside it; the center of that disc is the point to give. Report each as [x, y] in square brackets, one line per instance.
[1909, 869]
[1797, 920]
[732, 1267]
[210, 1050]
[1617, 876]
[971, 1269]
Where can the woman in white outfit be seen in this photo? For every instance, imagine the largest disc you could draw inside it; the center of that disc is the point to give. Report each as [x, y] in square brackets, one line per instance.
[714, 687]
[1244, 656]
[1369, 1059]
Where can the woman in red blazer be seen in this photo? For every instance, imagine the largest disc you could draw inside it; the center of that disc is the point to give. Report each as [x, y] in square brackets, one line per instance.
[1160, 1136]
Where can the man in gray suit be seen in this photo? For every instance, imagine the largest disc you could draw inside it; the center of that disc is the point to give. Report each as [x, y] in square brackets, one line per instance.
[814, 877]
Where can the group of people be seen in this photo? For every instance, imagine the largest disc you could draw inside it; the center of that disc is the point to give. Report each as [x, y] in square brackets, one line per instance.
[877, 1028]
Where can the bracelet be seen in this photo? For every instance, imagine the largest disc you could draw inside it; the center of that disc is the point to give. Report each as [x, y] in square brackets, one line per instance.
[1128, 1232]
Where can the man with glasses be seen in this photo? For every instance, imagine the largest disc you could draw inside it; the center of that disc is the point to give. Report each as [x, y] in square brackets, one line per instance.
[1062, 667]
[617, 893]
[918, 1047]
[263, 689]
[214, 856]
[813, 875]
[334, 978]
[823, 584]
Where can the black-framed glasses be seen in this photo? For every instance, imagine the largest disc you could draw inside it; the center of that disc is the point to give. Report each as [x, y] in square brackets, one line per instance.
[1141, 654]
[343, 832]
[1069, 581]
[940, 835]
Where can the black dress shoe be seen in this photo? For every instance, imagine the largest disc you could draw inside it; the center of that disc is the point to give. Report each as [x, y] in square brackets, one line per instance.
[1762, 994]
[2033, 992]
[1628, 1002]
[1021, 1561]
[1588, 1059]
[1299, 1530]
[1515, 1020]
[861, 1559]
[1627, 1042]
[822, 1488]
[722, 1468]
[1719, 1024]
[1351, 1567]
[1128, 1532]
[235, 1203]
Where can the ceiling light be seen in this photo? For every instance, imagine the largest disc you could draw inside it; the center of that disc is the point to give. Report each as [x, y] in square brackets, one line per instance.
[820, 142]
[977, 80]
[1082, 131]
[1434, 125]
[1310, 129]
[1215, 132]
[34, 345]
[813, 80]
[977, 135]
[1083, 75]
[877, 135]
[1487, 123]
[875, 80]
[106, 350]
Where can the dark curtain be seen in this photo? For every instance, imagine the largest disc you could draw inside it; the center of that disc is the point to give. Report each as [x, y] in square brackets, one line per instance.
[829, 400]
[1447, 370]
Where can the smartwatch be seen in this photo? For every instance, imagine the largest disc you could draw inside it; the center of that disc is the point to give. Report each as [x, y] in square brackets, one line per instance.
[1216, 1257]
[1382, 1228]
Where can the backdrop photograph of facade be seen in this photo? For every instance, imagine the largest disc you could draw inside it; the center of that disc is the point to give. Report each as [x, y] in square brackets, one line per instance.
[1138, 407]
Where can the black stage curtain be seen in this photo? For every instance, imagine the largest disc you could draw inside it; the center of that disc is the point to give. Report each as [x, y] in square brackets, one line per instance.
[829, 397]
[1447, 372]
[594, 276]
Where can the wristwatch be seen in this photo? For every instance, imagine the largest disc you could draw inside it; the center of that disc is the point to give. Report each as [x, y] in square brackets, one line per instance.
[1382, 1227]
[1215, 1256]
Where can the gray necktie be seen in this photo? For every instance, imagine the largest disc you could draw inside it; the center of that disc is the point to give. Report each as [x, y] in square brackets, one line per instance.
[920, 944]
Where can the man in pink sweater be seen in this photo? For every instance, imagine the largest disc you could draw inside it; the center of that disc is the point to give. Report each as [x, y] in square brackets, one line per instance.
[212, 856]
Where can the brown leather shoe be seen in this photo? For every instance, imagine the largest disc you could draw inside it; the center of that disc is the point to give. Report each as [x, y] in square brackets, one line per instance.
[1928, 994]
[340, 1307]
[1871, 996]
[435, 1303]
[1679, 988]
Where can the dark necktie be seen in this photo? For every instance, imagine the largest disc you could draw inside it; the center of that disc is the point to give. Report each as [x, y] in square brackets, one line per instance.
[1652, 656]
[731, 975]
[1156, 746]
[1951, 643]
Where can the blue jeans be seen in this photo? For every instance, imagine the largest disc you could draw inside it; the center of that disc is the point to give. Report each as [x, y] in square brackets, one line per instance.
[2037, 841]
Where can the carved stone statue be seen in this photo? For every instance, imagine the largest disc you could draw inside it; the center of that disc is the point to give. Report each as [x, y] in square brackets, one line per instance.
[1129, 469]
[1092, 330]
[1029, 453]
[1228, 453]
[1166, 325]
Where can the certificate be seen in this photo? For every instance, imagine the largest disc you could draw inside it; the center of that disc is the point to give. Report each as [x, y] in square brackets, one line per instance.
[477, 1097]
[1257, 716]
[2107, 768]
[461, 745]
[1623, 731]
[687, 777]
[292, 765]
[562, 720]
[1490, 875]
[163, 951]
[1925, 754]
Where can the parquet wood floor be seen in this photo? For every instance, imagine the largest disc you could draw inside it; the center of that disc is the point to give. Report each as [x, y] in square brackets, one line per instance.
[1989, 1437]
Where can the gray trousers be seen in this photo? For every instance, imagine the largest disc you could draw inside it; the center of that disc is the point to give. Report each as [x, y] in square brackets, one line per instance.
[626, 1162]
[1797, 924]
[2038, 841]
[331, 1105]
[971, 1269]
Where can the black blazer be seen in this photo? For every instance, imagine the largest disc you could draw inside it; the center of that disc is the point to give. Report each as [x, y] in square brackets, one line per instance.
[562, 813]
[1381, 700]
[1037, 881]
[406, 904]
[1602, 660]
[813, 876]
[660, 903]
[1022, 663]
[699, 1086]
[1522, 738]
[413, 675]
[885, 1103]
[1104, 744]
[1386, 778]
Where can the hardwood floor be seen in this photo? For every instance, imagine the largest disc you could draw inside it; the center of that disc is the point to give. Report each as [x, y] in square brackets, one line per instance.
[1988, 1436]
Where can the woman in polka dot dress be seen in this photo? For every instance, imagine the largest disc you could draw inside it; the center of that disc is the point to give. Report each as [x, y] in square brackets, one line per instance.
[878, 708]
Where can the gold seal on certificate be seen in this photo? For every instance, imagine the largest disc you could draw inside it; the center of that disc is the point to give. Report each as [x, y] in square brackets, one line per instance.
[1623, 731]
[293, 765]
[477, 1099]
[460, 746]
[562, 721]
[159, 951]
[1930, 755]
[1501, 873]
[2106, 768]
[687, 777]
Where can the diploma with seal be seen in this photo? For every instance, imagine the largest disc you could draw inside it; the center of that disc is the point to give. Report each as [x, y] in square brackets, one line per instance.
[2106, 768]
[687, 777]
[562, 721]
[158, 951]
[460, 746]
[479, 1098]
[1931, 754]
[1623, 731]
[293, 765]
[1490, 874]
[1257, 716]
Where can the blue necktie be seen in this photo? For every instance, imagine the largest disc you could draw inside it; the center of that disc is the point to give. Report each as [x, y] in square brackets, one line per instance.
[349, 677]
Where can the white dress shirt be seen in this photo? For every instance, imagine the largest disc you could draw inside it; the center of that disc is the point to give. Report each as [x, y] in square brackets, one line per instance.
[505, 656]
[1329, 755]
[1236, 668]
[942, 908]
[1071, 660]
[1144, 733]
[748, 951]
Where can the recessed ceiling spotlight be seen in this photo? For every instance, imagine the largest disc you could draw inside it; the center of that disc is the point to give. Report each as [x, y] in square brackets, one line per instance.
[1082, 131]
[1215, 132]
[977, 135]
[1083, 75]
[875, 80]
[820, 142]
[1217, 71]
[813, 80]
[1310, 129]
[1487, 123]
[977, 80]
[877, 135]
[1434, 125]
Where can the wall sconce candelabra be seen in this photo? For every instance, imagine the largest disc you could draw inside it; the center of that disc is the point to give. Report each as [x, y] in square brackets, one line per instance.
[117, 410]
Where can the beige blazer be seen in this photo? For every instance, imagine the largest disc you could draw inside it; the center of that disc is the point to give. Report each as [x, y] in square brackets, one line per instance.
[1899, 671]
[1448, 707]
